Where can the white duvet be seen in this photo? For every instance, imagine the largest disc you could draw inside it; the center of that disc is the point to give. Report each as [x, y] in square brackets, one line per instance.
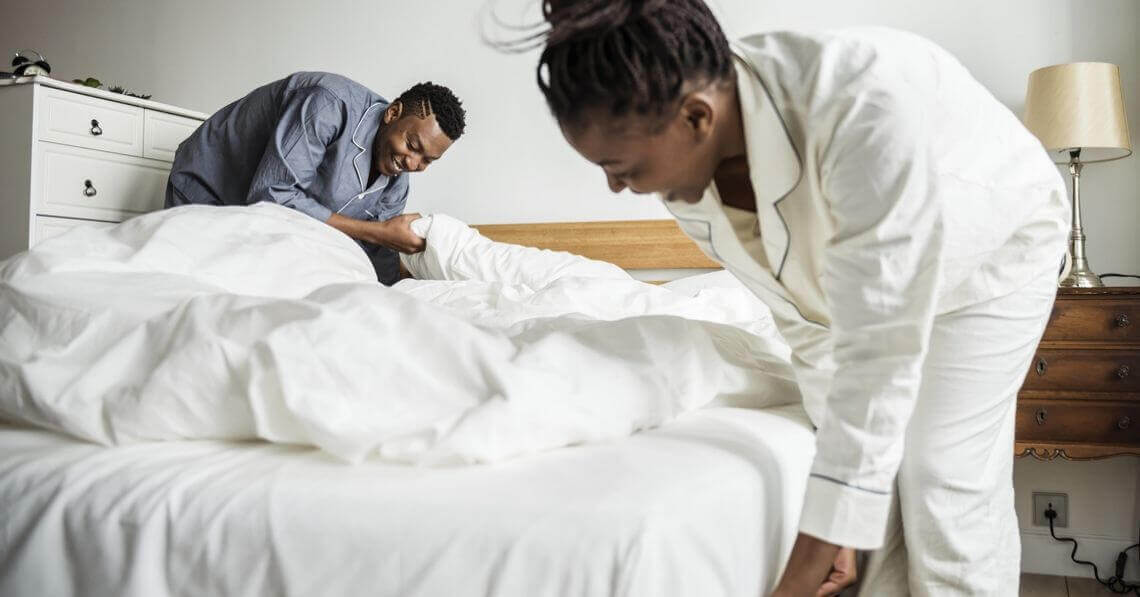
[259, 322]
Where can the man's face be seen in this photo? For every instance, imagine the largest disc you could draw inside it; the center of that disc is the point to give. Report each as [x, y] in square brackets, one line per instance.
[406, 142]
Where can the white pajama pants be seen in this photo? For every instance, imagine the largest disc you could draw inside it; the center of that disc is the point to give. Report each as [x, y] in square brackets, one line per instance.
[952, 529]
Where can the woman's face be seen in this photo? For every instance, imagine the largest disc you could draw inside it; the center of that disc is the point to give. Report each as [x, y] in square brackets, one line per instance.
[675, 156]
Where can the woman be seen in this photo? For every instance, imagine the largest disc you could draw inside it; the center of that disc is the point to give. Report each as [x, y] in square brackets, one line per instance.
[902, 224]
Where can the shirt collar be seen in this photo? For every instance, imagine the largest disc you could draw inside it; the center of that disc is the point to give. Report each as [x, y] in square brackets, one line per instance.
[774, 163]
[364, 138]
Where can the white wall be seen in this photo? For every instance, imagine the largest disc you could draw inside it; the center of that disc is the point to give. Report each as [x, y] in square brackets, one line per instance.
[513, 166]
[1103, 514]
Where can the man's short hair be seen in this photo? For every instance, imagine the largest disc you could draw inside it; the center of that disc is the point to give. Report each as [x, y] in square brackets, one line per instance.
[425, 99]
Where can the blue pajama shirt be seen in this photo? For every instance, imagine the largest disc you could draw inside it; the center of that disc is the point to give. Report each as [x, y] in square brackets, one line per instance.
[304, 142]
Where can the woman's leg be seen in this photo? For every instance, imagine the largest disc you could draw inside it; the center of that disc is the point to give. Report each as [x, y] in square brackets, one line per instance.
[955, 486]
[883, 572]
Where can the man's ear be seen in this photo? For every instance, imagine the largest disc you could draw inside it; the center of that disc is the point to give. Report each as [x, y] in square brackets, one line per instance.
[393, 112]
[697, 113]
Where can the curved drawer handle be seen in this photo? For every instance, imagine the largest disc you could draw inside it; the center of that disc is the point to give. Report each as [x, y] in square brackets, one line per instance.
[96, 130]
[1124, 423]
[88, 189]
[1121, 320]
[1041, 415]
[1042, 365]
[1123, 371]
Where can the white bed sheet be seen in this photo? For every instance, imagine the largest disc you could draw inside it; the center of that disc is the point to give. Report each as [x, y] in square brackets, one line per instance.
[258, 322]
[704, 506]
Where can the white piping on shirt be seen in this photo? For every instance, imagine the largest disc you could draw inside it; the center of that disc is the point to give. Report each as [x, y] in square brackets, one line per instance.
[349, 202]
[355, 166]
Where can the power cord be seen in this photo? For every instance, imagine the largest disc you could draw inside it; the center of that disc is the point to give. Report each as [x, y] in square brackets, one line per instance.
[1115, 583]
[1120, 276]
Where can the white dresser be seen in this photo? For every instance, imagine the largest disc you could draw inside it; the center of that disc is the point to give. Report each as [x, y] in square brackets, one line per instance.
[72, 155]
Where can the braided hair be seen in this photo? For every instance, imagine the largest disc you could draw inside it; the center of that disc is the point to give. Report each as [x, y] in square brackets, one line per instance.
[628, 55]
[425, 99]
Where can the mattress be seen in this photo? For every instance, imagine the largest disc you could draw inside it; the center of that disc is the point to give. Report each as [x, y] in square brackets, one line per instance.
[706, 505]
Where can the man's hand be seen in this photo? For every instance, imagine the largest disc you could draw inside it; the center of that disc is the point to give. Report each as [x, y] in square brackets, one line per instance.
[395, 233]
[816, 568]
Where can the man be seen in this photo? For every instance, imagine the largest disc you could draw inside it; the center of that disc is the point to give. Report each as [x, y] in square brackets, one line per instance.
[328, 147]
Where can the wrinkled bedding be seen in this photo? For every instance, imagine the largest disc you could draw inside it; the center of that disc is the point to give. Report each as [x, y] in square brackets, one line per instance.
[261, 323]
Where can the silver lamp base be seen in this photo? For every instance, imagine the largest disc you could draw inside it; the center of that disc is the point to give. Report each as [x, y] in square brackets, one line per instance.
[1082, 279]
[1080, 276]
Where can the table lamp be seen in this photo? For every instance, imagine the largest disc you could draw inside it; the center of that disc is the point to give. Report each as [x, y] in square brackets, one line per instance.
[1077, 111]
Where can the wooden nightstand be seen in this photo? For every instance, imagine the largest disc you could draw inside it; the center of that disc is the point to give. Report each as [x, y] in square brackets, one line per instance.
[1081, 398]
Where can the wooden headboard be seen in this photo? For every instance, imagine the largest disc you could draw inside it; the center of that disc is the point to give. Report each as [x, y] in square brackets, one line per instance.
[632, 244]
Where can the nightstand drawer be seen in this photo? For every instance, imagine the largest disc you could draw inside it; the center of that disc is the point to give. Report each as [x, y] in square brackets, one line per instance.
[96, 185]
[1116, 371]
[1071, 421]
[47, 226]
[1094, 320]
[90, 122]
[164, 132]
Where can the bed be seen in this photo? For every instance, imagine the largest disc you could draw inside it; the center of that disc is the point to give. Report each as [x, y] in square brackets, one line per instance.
[706, 503]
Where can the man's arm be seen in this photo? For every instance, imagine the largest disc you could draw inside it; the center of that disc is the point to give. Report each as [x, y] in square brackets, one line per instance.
[395, 233]
[310, 119]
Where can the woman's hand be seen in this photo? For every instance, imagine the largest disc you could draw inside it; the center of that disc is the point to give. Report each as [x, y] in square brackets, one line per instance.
[843, 573]
[816, 568]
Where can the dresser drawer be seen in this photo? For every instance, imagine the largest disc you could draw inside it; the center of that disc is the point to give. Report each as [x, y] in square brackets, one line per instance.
[47, 226]
[95, 185]
[90, 122]
[1072, 421]
[1116, 371]
[1094, 320]
[163, 132]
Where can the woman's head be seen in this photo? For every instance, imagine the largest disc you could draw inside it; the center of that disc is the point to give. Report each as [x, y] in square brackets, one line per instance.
[640, 87]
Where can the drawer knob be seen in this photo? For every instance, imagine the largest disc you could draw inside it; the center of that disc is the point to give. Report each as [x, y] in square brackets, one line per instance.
[88, 189]
[1123, 371]
[1042, 365]
[1124, 423]
[1121, 320]
[1041, 415]
[96, 130]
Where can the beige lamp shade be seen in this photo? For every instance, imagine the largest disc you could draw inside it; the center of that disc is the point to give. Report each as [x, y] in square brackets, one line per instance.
[1078, 106]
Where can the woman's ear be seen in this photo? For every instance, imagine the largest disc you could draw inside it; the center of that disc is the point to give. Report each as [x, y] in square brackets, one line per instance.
[698, 114]
[393, 111]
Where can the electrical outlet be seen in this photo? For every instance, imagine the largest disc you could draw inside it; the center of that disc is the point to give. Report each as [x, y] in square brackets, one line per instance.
[1060, 504]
